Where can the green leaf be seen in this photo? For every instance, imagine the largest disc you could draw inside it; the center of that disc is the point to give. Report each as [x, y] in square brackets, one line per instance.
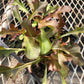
[16, 14]
[10, 72]
[6, 71]
[50, 9]
[30, 3]
[7, 51]
[39, 7]
[21, 37]
[63, 80]
[34, 24]
[21, 6]
[64, 69]
[76, 31]
[45, 43]
[32, 47]
[44, 80]
[13, 72]
[53, 8]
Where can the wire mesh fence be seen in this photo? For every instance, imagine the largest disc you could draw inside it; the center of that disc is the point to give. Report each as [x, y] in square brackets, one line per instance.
[72, 19]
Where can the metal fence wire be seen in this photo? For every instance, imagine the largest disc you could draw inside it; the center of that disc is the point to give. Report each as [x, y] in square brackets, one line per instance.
[75, 17]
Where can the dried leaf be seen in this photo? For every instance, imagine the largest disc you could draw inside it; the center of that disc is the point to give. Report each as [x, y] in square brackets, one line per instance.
[44, 23]
[60, 24]
[30, 31]
[32, 48]
[50, 22]
[53, 63]
[64, 9]
[75, 53]
[72, 53]
[13, 31]
[39, 7]
[58, 11]
[63, 58]
[74, 49]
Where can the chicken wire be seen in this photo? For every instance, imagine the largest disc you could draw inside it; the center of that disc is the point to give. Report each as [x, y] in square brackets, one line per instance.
[72, 19]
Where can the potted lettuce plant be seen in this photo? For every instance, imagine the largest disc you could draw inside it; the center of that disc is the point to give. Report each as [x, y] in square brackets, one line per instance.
[42, 40]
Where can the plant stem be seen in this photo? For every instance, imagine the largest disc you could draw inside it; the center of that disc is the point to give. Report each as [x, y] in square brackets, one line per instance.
[30, 63]
[63, 50]
[45, 76]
